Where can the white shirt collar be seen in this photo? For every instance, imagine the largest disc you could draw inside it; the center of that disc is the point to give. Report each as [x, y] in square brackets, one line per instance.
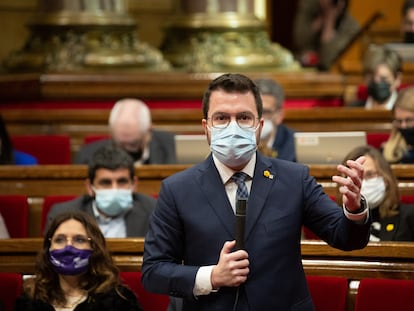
[226, 172]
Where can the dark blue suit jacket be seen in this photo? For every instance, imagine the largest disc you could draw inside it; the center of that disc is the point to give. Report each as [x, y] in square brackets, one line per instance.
[193, 218]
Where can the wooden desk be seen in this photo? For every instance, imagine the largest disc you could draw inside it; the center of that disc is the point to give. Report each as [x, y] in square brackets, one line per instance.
[377, 260]
[39, 181]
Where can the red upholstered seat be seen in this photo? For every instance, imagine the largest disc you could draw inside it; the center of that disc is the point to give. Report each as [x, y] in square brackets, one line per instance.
[48, 202]
[148, 301]
[15, 212]
[328, 293]
[384, 295]
[377, 139]
[10, 289]
[48, 149]
[91, 138]
[407, 199]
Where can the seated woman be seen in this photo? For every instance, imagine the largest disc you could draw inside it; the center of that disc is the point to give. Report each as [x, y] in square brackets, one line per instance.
[399, 148]
[74, 270]
[8, 155]
[392, 221]
[382, 70]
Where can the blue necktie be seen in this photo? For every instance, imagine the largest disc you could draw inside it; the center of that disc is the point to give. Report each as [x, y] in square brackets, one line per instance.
[239, 178]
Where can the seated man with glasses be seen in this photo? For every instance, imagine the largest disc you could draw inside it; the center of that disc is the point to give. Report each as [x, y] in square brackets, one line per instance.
[400, 146]
[111, 196]
[392, 221]
[276, 139]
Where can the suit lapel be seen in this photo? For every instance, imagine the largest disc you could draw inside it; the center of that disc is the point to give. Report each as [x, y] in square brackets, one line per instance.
[210, 184]
[264, 177]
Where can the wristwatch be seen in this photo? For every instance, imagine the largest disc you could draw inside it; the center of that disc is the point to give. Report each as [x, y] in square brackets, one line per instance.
[362, 208]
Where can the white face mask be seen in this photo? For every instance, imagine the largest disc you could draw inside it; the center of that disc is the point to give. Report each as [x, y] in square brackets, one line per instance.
[113, 202]
[267, 129]
[233, 145]
[373, 190]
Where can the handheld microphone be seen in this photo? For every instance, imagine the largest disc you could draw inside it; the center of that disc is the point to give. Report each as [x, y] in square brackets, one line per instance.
[241, 207]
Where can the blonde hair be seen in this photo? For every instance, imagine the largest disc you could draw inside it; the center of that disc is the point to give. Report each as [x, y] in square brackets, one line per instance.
[378, 55]
[395, 147]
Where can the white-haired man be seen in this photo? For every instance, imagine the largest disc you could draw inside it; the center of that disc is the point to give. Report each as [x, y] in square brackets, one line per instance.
[130, 128]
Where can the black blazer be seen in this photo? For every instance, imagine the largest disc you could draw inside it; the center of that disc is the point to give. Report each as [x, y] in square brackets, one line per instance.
[102, 302]
[400, 227]
[136, 219]
[162, 149]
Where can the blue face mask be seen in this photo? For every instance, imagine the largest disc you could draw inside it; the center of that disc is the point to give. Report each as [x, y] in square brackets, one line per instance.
[233, 146]
[113, 202]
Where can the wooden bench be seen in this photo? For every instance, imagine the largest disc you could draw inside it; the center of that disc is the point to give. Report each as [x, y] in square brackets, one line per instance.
[377, 260]
[78, 123]
[39, 181]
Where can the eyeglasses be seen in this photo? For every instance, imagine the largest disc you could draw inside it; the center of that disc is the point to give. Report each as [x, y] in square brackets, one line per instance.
[409, 122]
[222, 120]
[78, 241]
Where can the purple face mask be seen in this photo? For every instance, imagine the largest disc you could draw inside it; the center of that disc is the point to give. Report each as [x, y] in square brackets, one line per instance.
[70, 260]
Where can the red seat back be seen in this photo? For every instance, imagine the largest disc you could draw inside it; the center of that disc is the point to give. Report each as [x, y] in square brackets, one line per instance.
[385, 294]
[377, 139]
[48, 202]
[148, 301]
[10, 289]
[15, 212]
[328, 293]
[91, 138]
[407, 199]
[48, 149]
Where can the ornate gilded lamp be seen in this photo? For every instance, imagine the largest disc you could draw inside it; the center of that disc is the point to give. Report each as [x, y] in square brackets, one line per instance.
[72, 35]
[216, 35]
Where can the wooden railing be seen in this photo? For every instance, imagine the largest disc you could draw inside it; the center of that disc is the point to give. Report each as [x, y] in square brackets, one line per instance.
[377, 260]
[36, 182]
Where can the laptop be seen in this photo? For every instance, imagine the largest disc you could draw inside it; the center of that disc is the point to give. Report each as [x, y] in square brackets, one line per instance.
[191, 149]
[326, 147]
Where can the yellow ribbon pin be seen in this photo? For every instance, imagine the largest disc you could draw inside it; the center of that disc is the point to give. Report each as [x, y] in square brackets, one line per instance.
[389, 227]
[267, 174]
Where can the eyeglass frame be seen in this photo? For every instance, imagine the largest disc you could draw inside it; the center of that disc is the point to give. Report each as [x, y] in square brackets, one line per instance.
[86, 241]
[409, 122]
[238, 115]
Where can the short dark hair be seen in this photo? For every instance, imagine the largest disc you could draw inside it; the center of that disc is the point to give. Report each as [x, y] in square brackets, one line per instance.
[112, 158]
[272, 88]
[232, 83]
[408, 4]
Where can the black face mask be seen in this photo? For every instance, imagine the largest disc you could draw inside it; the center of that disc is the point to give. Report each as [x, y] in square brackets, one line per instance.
[135, 155]
[379, 91]
[408, 37]
[408, 134]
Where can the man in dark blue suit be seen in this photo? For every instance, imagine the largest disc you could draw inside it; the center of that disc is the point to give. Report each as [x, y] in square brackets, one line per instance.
[190, 246]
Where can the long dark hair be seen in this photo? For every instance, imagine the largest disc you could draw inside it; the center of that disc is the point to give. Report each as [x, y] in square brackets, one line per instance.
[101, 276]
[6, 146]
